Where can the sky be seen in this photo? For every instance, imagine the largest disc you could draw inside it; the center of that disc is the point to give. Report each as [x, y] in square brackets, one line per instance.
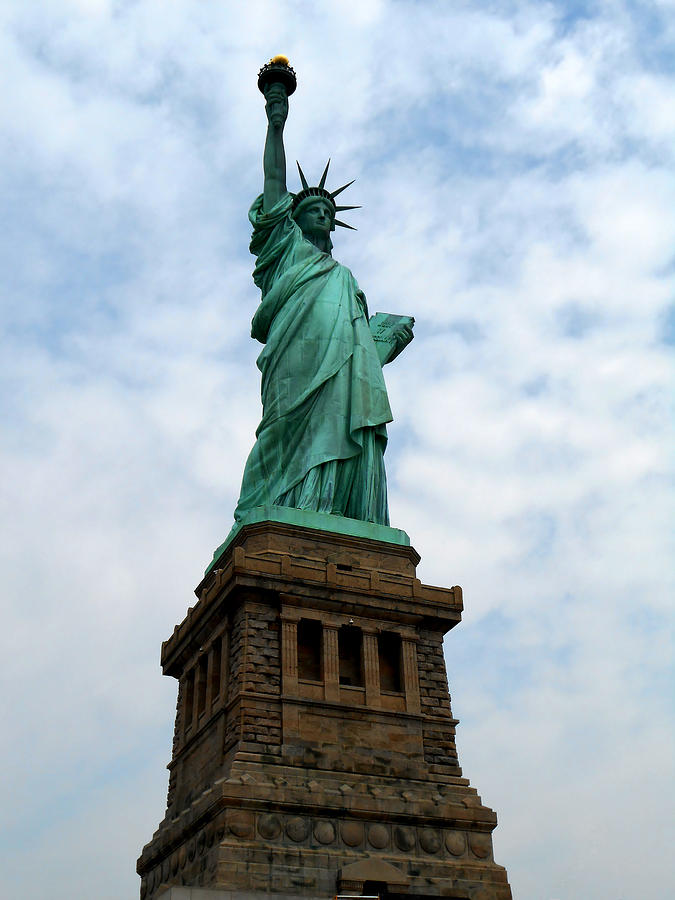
[514, 163]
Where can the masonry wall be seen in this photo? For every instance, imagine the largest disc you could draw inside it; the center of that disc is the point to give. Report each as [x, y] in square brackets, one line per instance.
[260, 673]
[438, 734]
[297, 777]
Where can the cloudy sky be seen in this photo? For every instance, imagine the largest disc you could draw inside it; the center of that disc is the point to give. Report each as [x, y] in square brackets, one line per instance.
[515, 165]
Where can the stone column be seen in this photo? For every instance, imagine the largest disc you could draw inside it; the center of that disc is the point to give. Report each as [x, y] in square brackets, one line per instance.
[225, 667]
[371, 668]
[209, 680]
[331, 663]
[188, 702]
[201, 688]
[411, 682]
[195, 697]
[289, 657]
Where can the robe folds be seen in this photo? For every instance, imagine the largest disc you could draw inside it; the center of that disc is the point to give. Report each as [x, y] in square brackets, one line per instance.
[322, 436]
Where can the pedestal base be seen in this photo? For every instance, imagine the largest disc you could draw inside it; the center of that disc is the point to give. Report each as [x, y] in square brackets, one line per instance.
[318, 521]
[188, 893]
[314, 750]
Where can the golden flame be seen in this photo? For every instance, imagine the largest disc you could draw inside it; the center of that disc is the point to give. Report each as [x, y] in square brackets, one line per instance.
[279, 58]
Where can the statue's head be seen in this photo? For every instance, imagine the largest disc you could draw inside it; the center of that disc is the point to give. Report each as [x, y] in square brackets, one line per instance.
[314, 207]
[315, 216]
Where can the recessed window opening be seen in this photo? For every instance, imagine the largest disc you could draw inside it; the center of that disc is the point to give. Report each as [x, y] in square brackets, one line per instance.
[309, 650]
[389, 653]
[350, 642]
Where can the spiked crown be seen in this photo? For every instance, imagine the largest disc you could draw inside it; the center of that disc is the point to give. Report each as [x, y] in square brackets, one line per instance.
[321, 191]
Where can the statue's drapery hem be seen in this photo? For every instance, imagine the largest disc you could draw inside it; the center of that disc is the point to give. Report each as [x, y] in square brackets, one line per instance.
[355, 487]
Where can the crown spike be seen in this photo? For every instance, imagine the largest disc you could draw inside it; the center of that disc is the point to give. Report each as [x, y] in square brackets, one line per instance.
[343, 188]
[302, 176]
[344, 225]
[342, 208]
[322, 183]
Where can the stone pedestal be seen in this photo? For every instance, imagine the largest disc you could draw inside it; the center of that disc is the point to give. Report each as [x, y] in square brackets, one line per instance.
[314, 748]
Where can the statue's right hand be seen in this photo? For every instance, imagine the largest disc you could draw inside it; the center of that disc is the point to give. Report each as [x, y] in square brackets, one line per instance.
[276, 105]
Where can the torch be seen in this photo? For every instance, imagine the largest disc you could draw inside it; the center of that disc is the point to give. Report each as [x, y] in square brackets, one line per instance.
[277, 71]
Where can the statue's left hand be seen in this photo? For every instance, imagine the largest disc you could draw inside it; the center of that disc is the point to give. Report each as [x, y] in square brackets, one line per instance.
[403, 334]
[276, 106]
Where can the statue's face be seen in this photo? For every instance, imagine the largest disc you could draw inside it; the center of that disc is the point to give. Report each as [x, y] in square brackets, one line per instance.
[315, 218]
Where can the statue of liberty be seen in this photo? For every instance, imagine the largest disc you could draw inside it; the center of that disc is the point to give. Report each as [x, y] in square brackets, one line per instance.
[321, 441]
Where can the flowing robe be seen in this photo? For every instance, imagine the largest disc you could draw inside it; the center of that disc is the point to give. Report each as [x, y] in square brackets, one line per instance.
[322, 437]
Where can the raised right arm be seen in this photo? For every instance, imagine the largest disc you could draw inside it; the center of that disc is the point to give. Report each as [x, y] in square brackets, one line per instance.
[274, 157]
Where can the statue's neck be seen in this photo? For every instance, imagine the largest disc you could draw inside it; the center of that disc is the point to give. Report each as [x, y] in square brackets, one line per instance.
[321, 242]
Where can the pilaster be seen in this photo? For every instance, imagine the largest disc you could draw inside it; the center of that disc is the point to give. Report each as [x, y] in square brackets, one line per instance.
[371, 667]
[331, 665]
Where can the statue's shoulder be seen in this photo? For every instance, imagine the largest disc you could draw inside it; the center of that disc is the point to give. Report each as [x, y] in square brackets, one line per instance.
[261, 218]
[274, 231]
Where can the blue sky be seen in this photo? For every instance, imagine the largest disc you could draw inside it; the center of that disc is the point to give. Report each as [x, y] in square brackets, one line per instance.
[515, 166]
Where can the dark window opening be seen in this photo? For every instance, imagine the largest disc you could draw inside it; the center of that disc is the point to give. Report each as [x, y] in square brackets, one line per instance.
[389, 653]
[375, 889]
[216, 656]
[189, 698]
[201, 684]
[310, 640]
[351, 657]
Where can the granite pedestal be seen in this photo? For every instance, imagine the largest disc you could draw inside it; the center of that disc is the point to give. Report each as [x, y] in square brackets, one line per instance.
[314, 747]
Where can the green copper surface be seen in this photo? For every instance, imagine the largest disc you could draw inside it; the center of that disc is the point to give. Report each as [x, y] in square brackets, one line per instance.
[321, 441]
[322, 436]
[315, 520]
